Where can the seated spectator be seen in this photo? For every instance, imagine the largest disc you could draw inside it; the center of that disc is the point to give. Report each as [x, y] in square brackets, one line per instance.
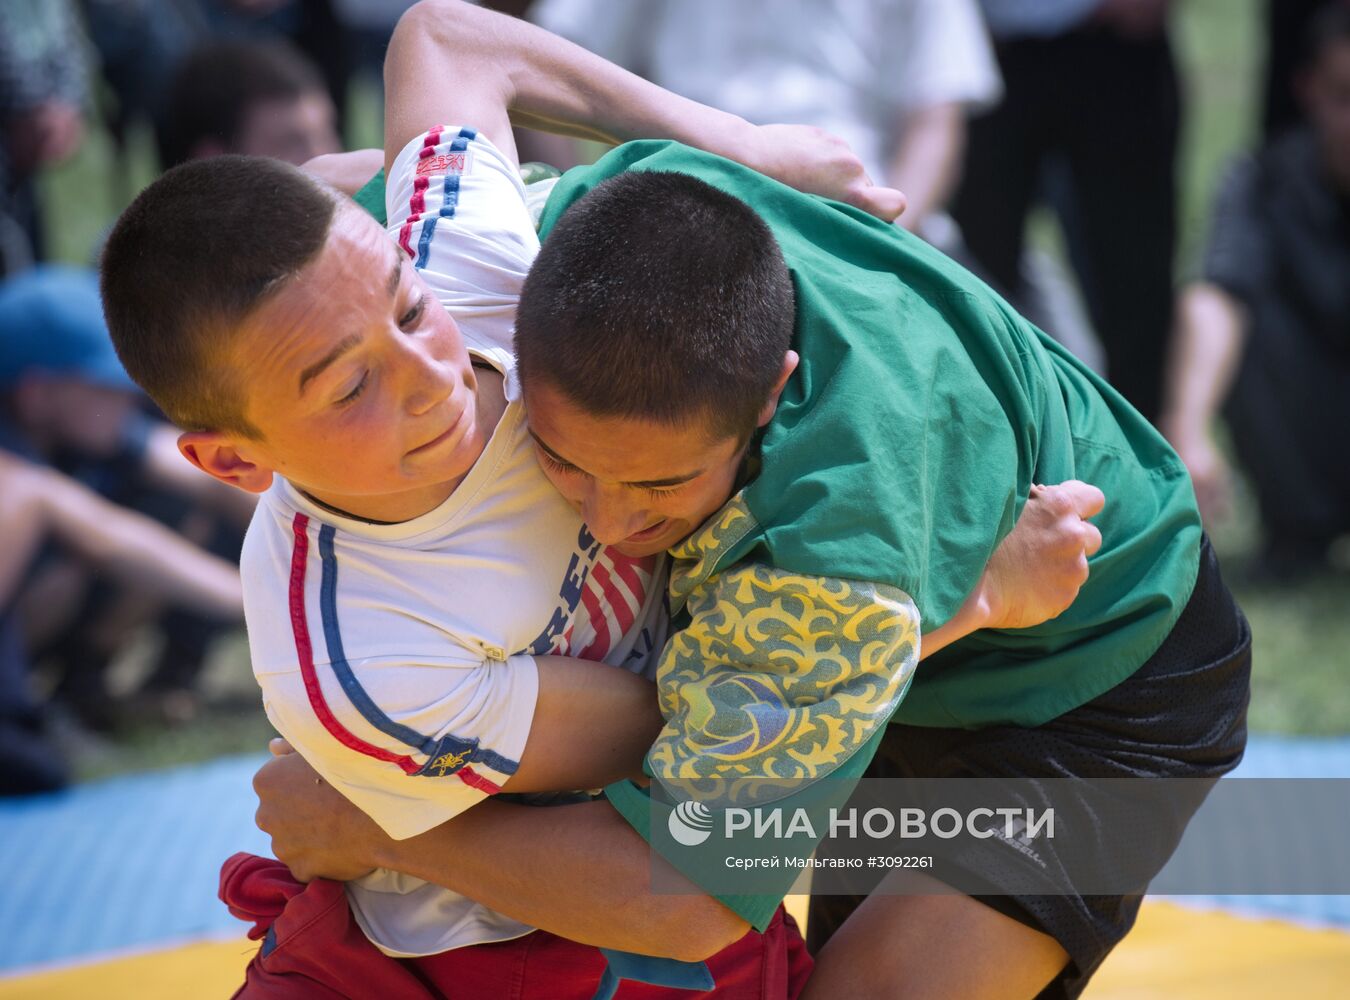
[261, 98]
[66, 404]
[39, 505]
[1264, 334]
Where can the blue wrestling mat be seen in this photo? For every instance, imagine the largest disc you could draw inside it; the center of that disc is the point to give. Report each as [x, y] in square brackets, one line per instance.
[125, 863]
[1287, 757]
[132, 862]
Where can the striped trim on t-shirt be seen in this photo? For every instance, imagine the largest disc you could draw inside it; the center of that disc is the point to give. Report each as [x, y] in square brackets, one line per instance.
[447, 754]
[450, 162]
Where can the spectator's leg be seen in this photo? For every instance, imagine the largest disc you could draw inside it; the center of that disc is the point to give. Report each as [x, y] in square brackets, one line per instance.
[1286, 412]
[1003, 152]
[28, 763]
[1122, 154]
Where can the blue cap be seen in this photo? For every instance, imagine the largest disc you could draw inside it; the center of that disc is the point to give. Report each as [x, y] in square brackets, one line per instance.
[51, 320]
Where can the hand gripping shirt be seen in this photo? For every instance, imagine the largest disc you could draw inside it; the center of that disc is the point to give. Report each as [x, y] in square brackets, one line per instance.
[399, 659]
[900, 455]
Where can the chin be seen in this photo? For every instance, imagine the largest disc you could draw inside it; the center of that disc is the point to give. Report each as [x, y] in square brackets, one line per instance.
[639, 550]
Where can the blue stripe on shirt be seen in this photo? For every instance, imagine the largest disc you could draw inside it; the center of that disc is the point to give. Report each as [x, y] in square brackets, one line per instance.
[449, 199]
[357, 694]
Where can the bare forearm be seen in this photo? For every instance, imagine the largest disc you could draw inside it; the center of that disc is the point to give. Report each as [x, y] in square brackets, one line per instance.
[1206, 351]
[550, 84]
[592, 726]
[579, 871]
[348, 172]
[1036, 571]
[142, 551]
[972, 616]
[926, 166]
[451, 62]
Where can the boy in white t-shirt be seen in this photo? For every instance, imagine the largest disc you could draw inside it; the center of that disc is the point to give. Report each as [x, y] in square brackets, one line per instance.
[417, 643]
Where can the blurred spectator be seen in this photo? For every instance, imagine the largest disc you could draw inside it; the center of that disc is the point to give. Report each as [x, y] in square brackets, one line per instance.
[66, 403]
[138, 43]
[261, 98]
[60, 382]
[63, 390]
[44, 81]
[141, 44]
[1090, 86]
[39, 505]
[1265, 333]
[894, 78]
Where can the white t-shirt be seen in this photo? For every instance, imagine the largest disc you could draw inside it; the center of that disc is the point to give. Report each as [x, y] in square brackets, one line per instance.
[399, 659]
[855, 67]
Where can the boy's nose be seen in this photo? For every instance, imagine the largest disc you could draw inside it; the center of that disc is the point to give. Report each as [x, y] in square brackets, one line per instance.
[428, 383]
[611, 517]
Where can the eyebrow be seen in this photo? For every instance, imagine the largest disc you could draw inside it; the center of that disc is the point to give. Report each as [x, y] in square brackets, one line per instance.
[351, 340]
[644, 483]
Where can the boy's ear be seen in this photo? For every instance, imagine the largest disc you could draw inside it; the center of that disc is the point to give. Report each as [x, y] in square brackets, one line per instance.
[217, 454]
[790, 360]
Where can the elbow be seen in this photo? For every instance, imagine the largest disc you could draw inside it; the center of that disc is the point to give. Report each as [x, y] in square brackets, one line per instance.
[442, 20]
[694, 928]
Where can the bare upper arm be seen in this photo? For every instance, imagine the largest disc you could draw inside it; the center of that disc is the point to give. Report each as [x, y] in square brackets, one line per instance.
[439, 71]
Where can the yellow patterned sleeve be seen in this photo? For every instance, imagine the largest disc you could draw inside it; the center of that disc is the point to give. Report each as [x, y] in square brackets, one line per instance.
[777, 681]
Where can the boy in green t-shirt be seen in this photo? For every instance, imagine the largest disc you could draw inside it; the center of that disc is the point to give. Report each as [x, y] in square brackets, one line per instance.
[912, 412]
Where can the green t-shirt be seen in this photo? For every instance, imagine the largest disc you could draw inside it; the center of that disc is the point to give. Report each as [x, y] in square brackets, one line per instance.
[907, 440]
[371, 198]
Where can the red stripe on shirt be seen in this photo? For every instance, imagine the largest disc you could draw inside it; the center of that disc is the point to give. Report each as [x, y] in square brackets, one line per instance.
[600, 645]
[618, 601]
[417, 205]
[473, 779]
[305, 651]
[626, 568]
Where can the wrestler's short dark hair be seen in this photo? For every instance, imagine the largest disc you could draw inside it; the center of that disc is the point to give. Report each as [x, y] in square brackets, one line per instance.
[658, 296]
[216, 85]
[189, 260]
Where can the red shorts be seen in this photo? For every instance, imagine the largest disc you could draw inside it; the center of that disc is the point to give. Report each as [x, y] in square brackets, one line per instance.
[313, 948]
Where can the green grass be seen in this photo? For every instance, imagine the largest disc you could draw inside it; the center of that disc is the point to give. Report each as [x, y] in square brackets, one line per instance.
[150, 748]
[1302, 632]
[1301, 657]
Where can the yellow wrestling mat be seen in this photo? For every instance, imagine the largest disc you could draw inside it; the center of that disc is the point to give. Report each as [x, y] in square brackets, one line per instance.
[1174, 953]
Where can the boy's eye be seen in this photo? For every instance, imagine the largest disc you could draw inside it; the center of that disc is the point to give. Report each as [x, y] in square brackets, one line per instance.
[563, 467]
[567, 469]
[414, 313]
[351, 396]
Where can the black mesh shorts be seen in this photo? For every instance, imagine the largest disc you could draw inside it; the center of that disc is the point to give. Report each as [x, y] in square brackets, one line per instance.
[1182, 714]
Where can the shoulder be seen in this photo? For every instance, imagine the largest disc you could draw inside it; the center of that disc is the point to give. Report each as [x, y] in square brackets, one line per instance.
[442, 162]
